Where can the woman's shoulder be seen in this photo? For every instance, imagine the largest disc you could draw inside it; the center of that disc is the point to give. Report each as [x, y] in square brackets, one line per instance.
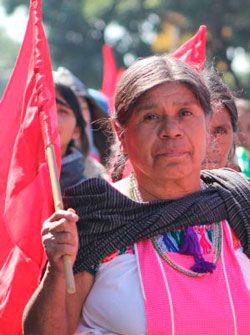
[226, 177]
[123, 186]
[94, 169]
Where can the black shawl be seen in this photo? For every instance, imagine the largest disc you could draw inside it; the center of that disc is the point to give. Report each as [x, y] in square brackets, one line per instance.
[110, 220]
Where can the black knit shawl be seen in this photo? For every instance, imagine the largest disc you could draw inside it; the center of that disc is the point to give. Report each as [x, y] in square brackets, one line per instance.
[110, 220]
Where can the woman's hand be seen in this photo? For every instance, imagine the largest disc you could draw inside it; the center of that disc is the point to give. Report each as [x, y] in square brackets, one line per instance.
[51, 310]
[60, 238]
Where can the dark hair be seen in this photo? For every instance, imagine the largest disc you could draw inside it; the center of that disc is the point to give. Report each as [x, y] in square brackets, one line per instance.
[72, 101]
[144, 75]
[221, 93]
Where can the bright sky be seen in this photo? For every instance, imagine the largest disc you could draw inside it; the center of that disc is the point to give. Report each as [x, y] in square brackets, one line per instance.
[15, 24]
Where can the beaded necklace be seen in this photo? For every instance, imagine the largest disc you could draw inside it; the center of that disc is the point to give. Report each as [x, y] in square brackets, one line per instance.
[133, 189]
[216, 238]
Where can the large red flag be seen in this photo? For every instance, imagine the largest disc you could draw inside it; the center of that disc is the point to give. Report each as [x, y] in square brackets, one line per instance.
[28, 124]
[193, 51]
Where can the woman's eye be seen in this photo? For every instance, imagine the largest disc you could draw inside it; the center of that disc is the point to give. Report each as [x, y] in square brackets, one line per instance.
[63, 111]
[151, 117]
[185, 113]
[220, 131]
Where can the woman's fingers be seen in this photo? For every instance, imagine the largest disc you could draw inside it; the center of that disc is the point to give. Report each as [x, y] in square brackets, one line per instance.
[69, 215]
[60, 237]
[58, 221]
[58, 246]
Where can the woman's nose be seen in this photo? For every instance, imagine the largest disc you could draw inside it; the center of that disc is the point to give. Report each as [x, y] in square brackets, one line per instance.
[170, 128]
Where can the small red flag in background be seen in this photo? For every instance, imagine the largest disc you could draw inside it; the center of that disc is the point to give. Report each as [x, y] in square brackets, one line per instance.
[28, 124]
[111, 74]
[193, 51]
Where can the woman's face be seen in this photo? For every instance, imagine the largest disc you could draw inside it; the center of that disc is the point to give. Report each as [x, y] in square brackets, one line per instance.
[221, 139]
[85, 111]
[244, 130]
[165, 137]
[67, 127]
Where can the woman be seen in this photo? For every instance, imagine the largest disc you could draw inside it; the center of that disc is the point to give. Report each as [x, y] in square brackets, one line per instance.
[223, 123]
[97, 127]
[141, 268]
[76, 163]
[243, 136]
[74, 141]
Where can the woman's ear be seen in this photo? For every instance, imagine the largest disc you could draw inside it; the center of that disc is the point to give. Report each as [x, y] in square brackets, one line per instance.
[76, 134]
[208, 130]
[118, 130]
[120, 133]
[231, 154]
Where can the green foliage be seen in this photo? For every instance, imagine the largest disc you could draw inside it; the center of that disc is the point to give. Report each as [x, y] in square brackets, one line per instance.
[95, 8]
[152, 4]
[128, 5]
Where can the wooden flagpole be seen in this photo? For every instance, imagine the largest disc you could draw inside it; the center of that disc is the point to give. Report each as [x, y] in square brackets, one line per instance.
[57, 196]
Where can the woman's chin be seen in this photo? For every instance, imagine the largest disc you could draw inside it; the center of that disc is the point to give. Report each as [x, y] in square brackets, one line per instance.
[212, 165]
[174, 171]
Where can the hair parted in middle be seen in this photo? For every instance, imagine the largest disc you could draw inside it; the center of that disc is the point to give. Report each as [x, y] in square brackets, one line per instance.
[147, 73]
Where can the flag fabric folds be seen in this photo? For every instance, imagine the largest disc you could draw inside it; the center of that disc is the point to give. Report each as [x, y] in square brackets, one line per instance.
[193, 51]
[28, 124]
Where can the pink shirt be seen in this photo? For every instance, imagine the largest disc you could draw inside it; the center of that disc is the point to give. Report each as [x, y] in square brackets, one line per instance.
[138, 294]
[217, 303]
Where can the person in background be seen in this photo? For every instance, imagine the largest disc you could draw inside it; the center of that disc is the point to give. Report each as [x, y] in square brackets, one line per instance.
[101, 99]
[243, 136]
[95, 116]
[92, 167]
[74, 140]
[223, 123]
[165, 250]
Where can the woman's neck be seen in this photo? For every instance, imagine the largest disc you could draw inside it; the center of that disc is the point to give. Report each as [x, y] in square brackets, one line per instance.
[153, 189]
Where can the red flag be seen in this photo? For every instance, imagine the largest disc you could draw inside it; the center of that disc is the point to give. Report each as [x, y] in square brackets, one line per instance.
[193, 51]
[28, 124]
[111, 74]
